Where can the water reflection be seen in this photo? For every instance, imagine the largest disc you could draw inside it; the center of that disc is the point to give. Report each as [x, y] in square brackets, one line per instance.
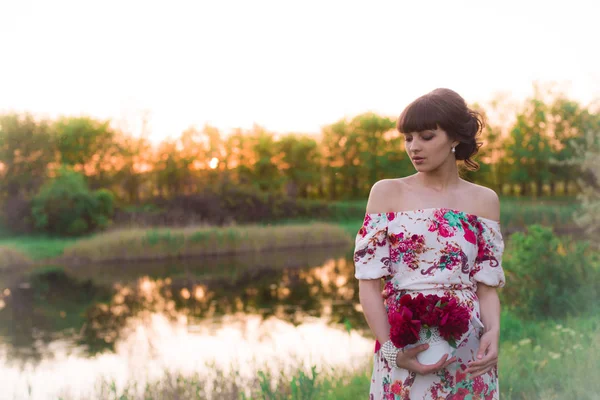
[124, 320]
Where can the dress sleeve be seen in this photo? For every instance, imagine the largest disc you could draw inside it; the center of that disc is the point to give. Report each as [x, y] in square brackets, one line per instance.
[490, 246]
[372, 249]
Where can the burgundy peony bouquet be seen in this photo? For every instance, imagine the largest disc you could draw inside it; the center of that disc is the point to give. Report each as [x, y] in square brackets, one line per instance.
[409, 315]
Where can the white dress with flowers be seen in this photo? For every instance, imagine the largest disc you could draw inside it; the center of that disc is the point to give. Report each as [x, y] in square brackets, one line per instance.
[432, 251]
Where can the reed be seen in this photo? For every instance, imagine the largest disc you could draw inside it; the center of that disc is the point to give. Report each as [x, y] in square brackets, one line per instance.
[137, 244]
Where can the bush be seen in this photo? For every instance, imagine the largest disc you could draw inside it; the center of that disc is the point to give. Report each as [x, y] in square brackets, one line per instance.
[66, 206]
[549, 276]
[223, 205]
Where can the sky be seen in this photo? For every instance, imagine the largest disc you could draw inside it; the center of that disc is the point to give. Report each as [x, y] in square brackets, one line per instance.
[289, 66]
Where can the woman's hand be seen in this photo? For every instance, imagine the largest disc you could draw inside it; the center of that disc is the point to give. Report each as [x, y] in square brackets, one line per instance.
[407, 359]
[487, 355]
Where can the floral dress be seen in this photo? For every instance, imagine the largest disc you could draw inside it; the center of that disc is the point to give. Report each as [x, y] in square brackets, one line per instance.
[432, 251]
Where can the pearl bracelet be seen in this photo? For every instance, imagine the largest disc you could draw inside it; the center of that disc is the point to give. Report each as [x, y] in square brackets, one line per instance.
[390, 352]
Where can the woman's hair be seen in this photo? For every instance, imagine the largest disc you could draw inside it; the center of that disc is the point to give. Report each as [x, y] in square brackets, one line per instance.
[446, 109]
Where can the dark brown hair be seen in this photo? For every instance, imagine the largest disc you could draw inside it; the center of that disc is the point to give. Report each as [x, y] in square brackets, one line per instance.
[445, 109]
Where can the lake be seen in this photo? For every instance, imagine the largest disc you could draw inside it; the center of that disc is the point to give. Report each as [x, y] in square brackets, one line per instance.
[64, 330]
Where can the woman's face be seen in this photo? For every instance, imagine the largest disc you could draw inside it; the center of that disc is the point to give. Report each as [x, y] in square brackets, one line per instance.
[429, 149]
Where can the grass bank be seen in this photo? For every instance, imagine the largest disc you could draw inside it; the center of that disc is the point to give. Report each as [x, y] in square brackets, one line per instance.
[142, 244]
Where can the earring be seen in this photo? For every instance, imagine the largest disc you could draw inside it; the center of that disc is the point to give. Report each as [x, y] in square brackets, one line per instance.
[453, 150]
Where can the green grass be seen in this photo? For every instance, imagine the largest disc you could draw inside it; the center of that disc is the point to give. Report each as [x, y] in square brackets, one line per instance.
[550, 359]
[38, 247]
[302, 385]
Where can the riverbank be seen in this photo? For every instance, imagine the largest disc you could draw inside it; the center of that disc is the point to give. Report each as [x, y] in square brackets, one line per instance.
[138, 244]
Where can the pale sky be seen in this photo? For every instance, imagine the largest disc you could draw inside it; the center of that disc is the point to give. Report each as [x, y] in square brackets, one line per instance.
[290, 66]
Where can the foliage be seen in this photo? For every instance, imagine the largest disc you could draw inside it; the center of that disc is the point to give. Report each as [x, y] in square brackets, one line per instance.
[589, 218]
[66, 206]
[549, 276]
[549, 359]
[341, 163]
[85, 144]
[25, 152]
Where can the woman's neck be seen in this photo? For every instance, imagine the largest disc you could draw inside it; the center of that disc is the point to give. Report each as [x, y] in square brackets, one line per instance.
[440, 180]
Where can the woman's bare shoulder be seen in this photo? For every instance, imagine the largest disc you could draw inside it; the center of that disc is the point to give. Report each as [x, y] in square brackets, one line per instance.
[487, 203]
[384, 194]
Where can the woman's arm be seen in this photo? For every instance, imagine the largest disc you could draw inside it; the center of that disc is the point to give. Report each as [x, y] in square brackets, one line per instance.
[487, 355]
[374, 309]
[489, 307]
[370, 289]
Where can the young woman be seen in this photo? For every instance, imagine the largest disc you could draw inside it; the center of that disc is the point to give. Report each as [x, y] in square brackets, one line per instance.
[434, 233]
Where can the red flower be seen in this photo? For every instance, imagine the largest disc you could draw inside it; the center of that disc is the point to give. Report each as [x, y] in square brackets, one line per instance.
[419, 306]
[454, 321]
[408, 314]
[391, 216]
[404, 329]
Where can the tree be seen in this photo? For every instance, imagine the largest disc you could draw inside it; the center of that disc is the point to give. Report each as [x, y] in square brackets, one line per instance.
[371, 130]
[25, 153]
[570, 122]
[66, 206]
[530, 146]
[299, 163]
[267, 160]
[89, 146]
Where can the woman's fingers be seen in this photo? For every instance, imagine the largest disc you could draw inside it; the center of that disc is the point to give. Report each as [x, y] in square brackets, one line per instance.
[450, 361]
[482, 371]
[408, 360]
[490, 358]
[481, 366]
[443, 363]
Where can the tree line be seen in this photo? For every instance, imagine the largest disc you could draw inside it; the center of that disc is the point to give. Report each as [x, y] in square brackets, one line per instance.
[525, 157]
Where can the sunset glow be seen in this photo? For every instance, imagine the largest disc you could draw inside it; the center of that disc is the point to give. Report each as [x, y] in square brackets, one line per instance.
[288, 66]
